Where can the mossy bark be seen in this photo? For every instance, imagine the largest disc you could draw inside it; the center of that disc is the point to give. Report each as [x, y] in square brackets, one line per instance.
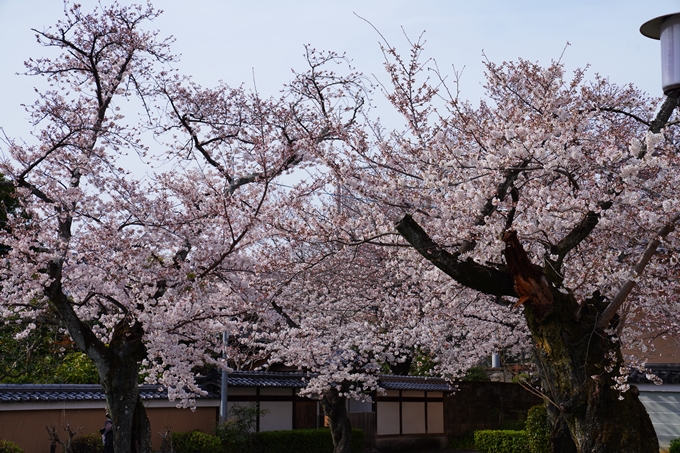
[578, 365]
[335, 408]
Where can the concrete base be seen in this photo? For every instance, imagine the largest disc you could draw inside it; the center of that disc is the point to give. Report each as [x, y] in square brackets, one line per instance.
[409, 443]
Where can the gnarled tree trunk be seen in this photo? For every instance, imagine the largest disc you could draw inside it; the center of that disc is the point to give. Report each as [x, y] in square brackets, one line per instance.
[577, 359]
[574, 358]
[335, 408]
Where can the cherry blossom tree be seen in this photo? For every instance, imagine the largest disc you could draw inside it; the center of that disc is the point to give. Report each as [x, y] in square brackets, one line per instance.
[143, 249]
[557, 195]
[347, 309]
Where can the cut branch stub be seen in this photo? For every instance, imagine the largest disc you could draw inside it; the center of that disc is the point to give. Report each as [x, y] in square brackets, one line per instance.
[530, 283]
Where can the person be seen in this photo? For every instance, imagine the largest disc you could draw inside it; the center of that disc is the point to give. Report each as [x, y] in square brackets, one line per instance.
[107, 435]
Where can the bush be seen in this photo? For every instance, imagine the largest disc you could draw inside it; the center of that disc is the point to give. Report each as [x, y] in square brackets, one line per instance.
[196, 442]
[495, 441]
[7, 446]
[236, 434]
[675, 446]
[538, 430]
[90, 443]
[303, 441]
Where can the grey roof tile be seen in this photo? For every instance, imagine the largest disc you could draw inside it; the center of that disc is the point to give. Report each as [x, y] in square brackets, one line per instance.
[93, 392]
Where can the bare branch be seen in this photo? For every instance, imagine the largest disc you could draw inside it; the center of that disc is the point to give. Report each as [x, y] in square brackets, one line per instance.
[627, 287]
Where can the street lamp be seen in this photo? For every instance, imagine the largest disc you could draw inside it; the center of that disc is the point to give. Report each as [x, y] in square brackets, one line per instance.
[667, 29]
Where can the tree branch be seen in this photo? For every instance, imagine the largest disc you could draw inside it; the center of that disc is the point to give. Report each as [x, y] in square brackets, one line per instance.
[627, 287]
[468, 273]
[581, 231]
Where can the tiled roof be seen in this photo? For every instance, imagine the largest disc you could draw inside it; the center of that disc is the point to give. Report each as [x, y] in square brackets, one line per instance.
[267, 379]
[415, 383]
[93, 392]
[71, 392]
[669, 374]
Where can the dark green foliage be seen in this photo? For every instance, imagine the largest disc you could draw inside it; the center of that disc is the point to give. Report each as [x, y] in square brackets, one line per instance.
[7, 446]
[675, 446]
[476, 373]
[466, 442]
[45, 356]
[490, 441]
[538, 430]
[196, 442]
[90, 443]
[236, 434]
[303, 441]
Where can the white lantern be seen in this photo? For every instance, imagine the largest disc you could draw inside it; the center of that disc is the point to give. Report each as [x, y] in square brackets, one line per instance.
[667, 29]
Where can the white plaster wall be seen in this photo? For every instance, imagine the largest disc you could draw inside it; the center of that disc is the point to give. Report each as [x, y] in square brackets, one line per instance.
[413, 417]
[435, 418]
[388, 418]
[280, 415]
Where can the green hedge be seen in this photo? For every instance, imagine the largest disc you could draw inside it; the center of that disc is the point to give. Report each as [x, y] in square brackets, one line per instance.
[538, 429]
[293, 441]
[89, 443]
[675, 446]
[196, 442]
[7, 446]
[303, 441]
[497, 441]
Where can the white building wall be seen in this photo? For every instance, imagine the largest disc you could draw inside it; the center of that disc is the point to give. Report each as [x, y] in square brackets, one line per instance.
[435, 418]
[388, 418]
[278, 417]
[663, 406]
[413, 417]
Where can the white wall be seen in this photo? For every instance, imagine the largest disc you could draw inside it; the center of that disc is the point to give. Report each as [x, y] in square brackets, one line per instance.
[388, 417]
[280, 415]
[663, 406]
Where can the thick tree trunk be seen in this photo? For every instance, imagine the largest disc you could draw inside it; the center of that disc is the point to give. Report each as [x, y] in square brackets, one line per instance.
[131, 428]
[335, 408]
[119, 375]
[578, 364]
[577, 358]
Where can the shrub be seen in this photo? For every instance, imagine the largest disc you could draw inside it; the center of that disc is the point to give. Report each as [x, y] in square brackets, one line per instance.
[467, 442]
[90, 443]
[236, 434]
[495, 441]
[7, 446]
[196, 442]
[675, 446]
[303, 441]
[538, 430]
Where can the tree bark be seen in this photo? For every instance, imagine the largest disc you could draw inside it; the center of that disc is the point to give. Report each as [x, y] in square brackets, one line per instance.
[118, 368]
[573, 358]
[335, 408]
[578, 361]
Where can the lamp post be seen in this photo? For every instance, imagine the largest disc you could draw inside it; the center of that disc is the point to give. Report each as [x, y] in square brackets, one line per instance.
[667, 30]
[223, 390]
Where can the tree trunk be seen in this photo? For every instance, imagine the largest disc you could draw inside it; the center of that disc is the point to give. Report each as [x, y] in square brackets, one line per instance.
[578, 359]
[119, 375]
[574, 358]
[118, 367]
[335, 408]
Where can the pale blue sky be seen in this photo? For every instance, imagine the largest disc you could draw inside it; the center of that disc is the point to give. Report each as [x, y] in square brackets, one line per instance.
[229, 40]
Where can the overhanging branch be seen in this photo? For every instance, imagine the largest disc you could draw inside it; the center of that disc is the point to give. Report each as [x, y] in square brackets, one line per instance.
[468, 273]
